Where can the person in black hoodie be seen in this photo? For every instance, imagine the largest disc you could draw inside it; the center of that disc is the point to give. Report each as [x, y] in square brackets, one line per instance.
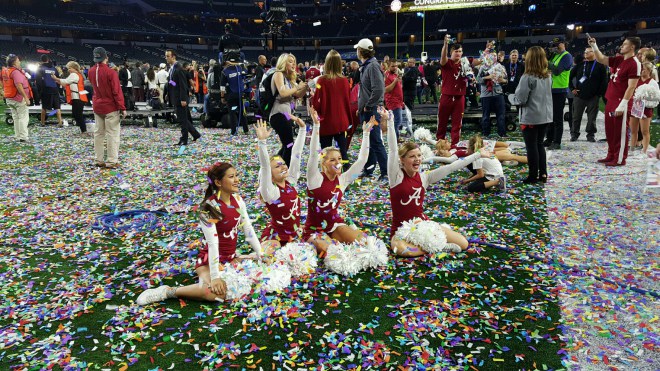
[588, 82]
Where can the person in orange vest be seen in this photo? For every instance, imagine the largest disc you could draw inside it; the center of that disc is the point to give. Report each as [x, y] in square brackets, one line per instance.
[76, 95]
[18, 93]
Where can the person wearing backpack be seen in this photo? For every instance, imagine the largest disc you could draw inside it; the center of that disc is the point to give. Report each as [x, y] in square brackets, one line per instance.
[285, 90]
[48, 89]
[18, 93]
[232, 86]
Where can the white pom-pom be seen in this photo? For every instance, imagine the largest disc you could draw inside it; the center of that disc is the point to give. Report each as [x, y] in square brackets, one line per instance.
[372, 252]
[427, 235]
[427, 152]
[299, 257]
[237, 280]
[650, 94]
[340, 258]
[274, 277]
[423, 135]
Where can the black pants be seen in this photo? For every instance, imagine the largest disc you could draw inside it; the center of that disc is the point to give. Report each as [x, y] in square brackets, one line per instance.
[238, 114]
[434, 93]
[409, 100]
[579, 106]
[536, 160]
[477, 185]
[185, 120]
[340, 138]
[556, 128]
[377, 152]
[284, 130]
[77, 111]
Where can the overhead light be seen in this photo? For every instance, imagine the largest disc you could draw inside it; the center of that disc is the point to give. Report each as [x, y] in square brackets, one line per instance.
[570, 27]
[32, 67]
[395, 5]
[317, 23]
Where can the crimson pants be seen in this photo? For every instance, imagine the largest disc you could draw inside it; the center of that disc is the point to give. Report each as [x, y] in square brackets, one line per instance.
[616, 133]
[450, 105]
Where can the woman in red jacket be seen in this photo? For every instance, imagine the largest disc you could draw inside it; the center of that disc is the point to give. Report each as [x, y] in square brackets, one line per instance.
[331, 103]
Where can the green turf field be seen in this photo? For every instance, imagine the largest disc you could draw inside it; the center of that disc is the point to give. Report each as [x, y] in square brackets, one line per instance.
[68, 291]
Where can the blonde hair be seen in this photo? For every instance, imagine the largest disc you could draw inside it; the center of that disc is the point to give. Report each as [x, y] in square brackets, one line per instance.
[442, 148]
[73, 65]
[407, 147]
[649, 66]
[281, 66]
[649, 55]
[476, 143]
[325, 152]
[536, 62]
[332, 66]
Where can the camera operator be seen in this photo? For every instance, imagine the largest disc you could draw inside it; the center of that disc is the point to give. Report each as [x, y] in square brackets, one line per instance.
[560, 63]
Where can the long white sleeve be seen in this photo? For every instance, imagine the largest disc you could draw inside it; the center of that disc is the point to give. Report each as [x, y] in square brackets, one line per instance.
[296, 157]
[250, 236]
[434, 176]
[345, 179]
[394, 172]
[440, 159]
[266, 189]
[211, 237]
[314, 177]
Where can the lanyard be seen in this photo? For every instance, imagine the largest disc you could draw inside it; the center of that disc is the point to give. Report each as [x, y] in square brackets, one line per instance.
[584, 72]
[513, 67]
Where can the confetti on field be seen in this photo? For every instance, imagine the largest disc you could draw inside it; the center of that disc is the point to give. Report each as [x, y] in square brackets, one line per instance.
[69, 291]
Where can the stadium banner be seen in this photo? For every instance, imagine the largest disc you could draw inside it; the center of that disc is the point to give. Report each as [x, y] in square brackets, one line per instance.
[429, 5]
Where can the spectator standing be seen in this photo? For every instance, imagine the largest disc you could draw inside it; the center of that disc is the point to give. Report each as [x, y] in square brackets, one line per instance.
[108, 109]
[18, 93]
[314, 72]
[137, 79]
[354, 74]
[161, 80]
[76, 95]
[515, 70]
[331, 103]
[372, 91]
[431, 74]
[588, 82]
[409, 80]
[560, 64]
[491, 78]
[394, 94]
[179, 97]
[259, 70]
[232, 86]
[48, 89]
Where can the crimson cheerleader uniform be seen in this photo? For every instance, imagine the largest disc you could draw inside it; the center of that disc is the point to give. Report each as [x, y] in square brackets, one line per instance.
[325, 195]
[282, 203]
[406, 192]
[222, 237]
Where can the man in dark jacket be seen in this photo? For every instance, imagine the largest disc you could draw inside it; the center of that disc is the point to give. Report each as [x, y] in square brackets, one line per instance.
[588, 82]
[137, 78]
[179, 94]
[409, 82]
[515, 68]
[48, 89]
[431, 75]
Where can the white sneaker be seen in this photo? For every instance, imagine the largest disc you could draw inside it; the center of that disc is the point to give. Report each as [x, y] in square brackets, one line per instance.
[510, 163]
[152, 296]
[501, 184]
[452, 247]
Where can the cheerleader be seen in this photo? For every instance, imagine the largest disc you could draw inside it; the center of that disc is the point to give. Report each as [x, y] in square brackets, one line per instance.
[222, 212]
[346, 250]
[445, 153]
[412, 233]
[277, 189]
[646, 95]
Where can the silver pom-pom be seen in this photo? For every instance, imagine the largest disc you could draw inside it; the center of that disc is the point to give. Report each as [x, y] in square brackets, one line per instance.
[427, 152]
[649, 93]
[340, 258]
[372, 252]
[274, 277]
[237, 279]
[299, 257]
[425, 234]
[423, 135]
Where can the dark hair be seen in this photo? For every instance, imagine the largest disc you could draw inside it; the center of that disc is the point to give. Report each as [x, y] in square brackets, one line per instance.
[273, 61]
[11, 60]
[216, 172]
[150, 74]
[635, 41]
[44, 58]
[455, 47]
[366, 53]
[172, 51]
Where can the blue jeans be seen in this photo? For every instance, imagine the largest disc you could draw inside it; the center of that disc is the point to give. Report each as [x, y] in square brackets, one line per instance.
[397, 120]
[377, 153]
[206, 104]
[496, 104]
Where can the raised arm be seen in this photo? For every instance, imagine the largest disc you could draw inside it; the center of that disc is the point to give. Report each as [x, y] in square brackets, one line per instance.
[599, 56]
[314, 177]
[443, 160]
[394, 174]
[250, 236]
[436, 175]
[296, 152]
[266, 189]
[354, 171]
[443, 53]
